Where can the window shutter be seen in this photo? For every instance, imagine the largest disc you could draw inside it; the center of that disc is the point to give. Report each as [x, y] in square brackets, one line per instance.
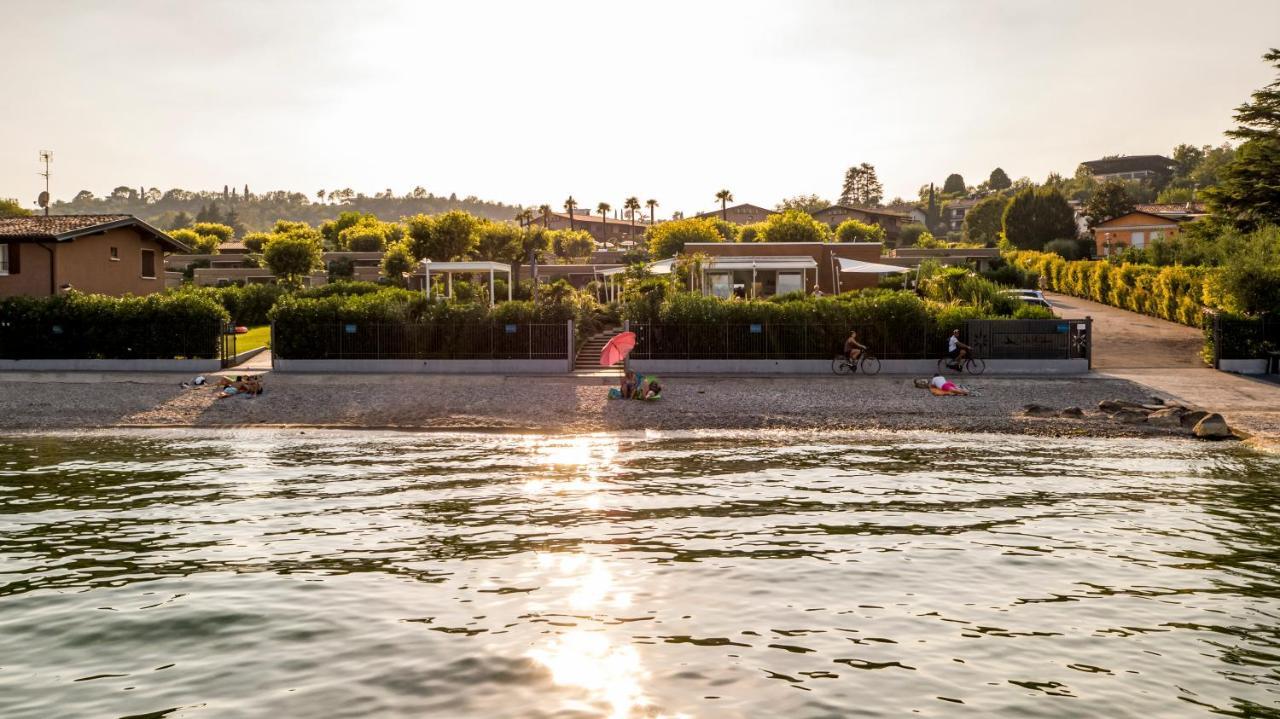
[15, 264]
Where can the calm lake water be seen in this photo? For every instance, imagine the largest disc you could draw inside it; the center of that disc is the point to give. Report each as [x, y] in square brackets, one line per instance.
[317, 574]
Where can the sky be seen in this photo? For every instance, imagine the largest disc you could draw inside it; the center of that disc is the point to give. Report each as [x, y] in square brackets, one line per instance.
[528, 102]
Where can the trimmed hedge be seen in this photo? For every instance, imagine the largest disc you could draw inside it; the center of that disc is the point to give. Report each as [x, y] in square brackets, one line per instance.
[80, 326]
[304, 325]
[1175, 293]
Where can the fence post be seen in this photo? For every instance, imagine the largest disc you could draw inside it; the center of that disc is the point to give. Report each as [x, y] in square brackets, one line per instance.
[569, 352]
[272, 336]
[1088, 340]
[1217, 340]
[626, 361]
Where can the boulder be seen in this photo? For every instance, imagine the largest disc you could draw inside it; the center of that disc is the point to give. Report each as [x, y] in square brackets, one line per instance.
[1072, 413]
[1213, 426]
[1129, 416]
[1191, 418]
[1170, 417]
[1111, 406]
[1038, 410]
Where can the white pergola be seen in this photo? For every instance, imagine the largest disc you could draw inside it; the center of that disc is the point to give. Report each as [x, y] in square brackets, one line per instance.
[449, 269]
[800, 263]
[866, 268]
[613, 276]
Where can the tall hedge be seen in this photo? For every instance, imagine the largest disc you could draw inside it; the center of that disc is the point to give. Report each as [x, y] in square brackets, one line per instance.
[1175, 293]
[81, 326]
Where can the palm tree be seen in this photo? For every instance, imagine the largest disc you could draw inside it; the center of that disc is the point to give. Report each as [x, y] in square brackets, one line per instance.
[603, 208]
[725, 197]
[524, 217]
[569, 204]
[320, 196]
[651, 204]
[546, 215]
[632, 205]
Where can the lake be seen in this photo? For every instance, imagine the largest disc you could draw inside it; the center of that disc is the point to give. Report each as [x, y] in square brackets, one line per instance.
[344, 574]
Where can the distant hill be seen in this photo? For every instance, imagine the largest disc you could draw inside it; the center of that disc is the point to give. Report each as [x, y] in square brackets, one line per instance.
[259, 211]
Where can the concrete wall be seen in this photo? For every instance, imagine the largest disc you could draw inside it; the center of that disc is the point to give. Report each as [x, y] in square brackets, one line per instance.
[477, 366]
[111, 365]
[32, 277]
[1243, 366]
[804, 367]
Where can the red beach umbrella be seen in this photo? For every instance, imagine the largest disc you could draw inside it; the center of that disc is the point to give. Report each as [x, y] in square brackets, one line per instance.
[617, 349]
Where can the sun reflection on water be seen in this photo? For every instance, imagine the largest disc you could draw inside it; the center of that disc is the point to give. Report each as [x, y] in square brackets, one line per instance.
[577, 464]
[608, 671]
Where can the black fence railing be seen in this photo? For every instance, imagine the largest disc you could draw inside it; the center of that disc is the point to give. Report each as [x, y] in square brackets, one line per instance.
[80, 339]
[1240, 338]
[373, 340]
[992, 339]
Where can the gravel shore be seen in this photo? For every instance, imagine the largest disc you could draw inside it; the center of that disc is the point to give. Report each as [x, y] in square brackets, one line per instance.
[566, 404]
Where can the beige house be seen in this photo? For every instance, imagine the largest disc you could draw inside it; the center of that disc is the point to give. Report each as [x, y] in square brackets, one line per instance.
[604, 229]
[1135, 229]
[744, 214]
[889, 220]
[100, 254]
[762, 269]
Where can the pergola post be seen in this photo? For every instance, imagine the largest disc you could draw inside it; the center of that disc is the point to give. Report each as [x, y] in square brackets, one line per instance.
[491, 297]
[427, 269]
[448, 277]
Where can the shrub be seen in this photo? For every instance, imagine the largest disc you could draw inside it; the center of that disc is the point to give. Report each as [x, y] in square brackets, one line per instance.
[909, 233]
[1067, 249]
[793, 226]
[199, 244]
[854, 231]
[256, 240]
[1035, 217]
[291, 257]
[222, 232]
[668, 239]
[80, 326]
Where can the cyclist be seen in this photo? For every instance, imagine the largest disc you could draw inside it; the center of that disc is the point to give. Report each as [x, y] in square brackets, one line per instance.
[957, 351]
[853, 349]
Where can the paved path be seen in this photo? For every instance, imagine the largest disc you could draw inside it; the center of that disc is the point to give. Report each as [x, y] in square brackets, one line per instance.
[1165, 356]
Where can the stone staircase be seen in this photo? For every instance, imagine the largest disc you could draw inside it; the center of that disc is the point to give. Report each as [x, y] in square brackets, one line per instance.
[588, 358]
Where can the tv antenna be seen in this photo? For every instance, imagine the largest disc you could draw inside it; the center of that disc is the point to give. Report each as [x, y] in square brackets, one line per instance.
[46, 156]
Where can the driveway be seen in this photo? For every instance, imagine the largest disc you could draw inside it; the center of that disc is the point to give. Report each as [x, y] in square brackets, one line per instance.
[1165, 357]
[1128, 340]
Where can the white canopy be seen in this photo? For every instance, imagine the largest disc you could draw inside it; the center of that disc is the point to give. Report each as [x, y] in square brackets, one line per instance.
[873, 268]
[662, 267]
[761, 263]
[479, 266]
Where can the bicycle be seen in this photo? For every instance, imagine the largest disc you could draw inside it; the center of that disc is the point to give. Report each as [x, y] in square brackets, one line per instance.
[866, 362]
[972, 365]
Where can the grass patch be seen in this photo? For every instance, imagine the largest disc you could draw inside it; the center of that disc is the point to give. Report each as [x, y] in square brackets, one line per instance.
[259, 336]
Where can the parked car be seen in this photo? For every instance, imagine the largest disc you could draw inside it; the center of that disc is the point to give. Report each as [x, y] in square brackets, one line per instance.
[1031, 297]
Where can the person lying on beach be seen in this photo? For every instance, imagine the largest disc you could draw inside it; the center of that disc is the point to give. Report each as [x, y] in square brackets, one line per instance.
[251, 386]
[940, 385]
[650, 390]
[628, 385]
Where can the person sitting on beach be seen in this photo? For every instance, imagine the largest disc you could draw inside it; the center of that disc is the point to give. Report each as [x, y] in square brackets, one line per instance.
[957, 351]
[942, 385]
[853, 349]
[628, 385]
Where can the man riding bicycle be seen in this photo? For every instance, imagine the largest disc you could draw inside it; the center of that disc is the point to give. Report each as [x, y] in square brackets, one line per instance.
[957, 351]
[853, 349]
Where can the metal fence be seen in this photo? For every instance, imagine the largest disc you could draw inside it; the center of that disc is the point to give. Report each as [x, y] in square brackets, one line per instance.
[1239, 338]
[992, 339]
[370, 340]
[82, 339]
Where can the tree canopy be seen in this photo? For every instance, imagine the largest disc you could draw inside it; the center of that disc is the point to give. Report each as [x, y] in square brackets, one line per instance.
[804, 203]
[999, 180]
[984, 221]
[855, 231]
[954, 185]
[1037, 216]
[861, 187]
[1249, 193]
[1110, 201]
[292, 256]
[669, 238]
[792, 226]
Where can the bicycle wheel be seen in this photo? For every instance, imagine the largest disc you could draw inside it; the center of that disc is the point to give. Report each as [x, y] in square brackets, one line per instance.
[975, 365]
[944, 366]
[870, 365]
[840, 365]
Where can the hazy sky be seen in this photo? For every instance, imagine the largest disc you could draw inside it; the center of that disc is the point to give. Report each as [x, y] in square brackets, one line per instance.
[527, 102]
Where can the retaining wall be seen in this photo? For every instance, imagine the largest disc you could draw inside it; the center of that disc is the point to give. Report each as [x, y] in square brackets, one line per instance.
[112, 365]
[805, 367]
[409, 366]
[1243, 366]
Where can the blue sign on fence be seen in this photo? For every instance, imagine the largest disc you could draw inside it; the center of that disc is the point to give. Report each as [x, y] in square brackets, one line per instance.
[1062, 328]
[511, 329]
[756, 329]
[350, 329]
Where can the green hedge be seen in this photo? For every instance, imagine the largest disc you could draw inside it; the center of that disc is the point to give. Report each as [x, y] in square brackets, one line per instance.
[80, 326]
[303, 325]
[1175, 293]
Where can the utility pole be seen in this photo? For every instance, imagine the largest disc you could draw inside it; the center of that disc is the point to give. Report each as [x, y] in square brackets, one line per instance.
[46, 156]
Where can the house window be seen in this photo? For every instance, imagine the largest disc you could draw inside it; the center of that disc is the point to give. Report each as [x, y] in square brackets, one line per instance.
[115, 254]
[1138, 240]
[149, 264]
[4, 259]
[790, 282]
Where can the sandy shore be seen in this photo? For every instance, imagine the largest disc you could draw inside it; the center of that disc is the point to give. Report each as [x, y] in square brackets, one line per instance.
[565, 404]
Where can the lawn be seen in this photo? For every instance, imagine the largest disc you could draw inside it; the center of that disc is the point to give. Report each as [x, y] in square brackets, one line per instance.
[259, 336]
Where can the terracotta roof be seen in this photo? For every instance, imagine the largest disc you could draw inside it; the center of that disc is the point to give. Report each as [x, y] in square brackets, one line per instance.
[595, 218]
[730, 208]
[1129, 163]
[1173, 208]
[64, 228]
[864, 210]
[1159, 218]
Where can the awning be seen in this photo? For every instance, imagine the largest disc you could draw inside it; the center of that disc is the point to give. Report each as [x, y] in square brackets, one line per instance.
[760, 263]
[662, 267]
[477, 266]
[870, 268]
